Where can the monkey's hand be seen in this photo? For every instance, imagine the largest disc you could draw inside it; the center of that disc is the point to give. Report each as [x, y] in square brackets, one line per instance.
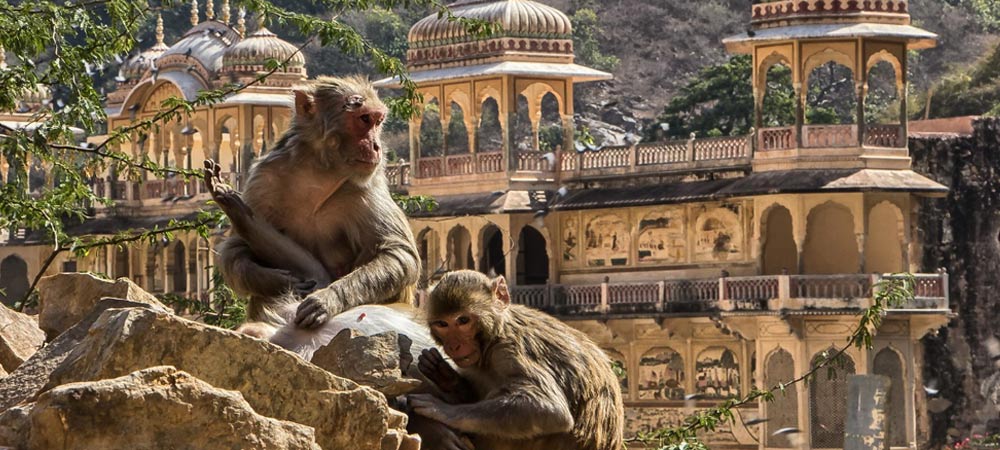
[436, 369]
[226, 197]
[432, 407]
[437, 436]
[317, 308]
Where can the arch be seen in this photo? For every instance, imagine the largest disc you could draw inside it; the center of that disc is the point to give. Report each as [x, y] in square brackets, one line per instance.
[882, 95]
[121, 267]
[459, 249]
[888, 363]
[826, 56]
[493, 257]
[13, 279]
[769, 61]
[661, 374]
[831, 97]
[431, 133]
[154, 269]
[522, 128]
[777, 103]
[783, 411]
[831, 246]
[884, 241]
[886, 57]
[619, 359]
[532, 257]
[457, 138]
[828, 401]
[229, 145]
[428, 247]
[550, 129]
[259, 140]
[487, 92]
[178, 268]
[779, 254]
[489, 132]
[534, 93]
[717, 373]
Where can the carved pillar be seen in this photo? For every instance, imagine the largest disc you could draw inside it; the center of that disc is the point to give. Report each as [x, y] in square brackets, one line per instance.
[860, 238]
[800, 112]
[511, 248]
[862, 93]
[901, 90]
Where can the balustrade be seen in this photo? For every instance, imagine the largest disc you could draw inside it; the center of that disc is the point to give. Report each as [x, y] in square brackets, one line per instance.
[531, 161]
[619, 294]
[830, 287]
[830, 136]
[490, 162]
[720, 148]
[782, 138]
[661, 153]
[430, 167]
[606, 158]
[879, 135]
[460, 164]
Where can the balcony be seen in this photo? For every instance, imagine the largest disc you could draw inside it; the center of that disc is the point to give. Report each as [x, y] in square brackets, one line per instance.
[728, 294]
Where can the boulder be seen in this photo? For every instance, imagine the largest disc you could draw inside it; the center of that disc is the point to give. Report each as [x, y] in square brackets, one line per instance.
[275, 382]
[15, 426]
[373, 361]
[20, 338]
[158, 407]
[30, 376]
[64, 299]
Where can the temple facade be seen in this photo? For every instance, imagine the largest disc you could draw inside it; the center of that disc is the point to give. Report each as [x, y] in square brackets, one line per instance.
[704, 266]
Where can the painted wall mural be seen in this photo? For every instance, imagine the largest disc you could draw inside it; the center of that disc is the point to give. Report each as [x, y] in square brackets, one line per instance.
[606, 241]
[570, 240]
[645, 419]
[662, 237]
[621, 369]
[719, 234]
[717, 373]
[661, 375]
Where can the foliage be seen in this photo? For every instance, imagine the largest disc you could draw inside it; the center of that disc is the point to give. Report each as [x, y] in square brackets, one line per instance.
[966, 91]
[988, 13]
[586, 29]
[889, 292]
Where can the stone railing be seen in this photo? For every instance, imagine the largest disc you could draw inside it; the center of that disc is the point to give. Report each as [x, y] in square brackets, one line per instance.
[791, 12]
[879, 135]
[829, 136]
[780, 138]
[756, 293]
[397, 174]
[663, 156]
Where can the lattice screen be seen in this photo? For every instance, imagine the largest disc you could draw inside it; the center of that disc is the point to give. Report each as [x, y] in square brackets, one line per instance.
[887, 363]
[828, 402]
[783, 412]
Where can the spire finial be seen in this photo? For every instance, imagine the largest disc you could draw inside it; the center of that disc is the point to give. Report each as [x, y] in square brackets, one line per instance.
[159, 29]
[209, 10]
[260, 21]
[225, 12]
[194, 12]
[241, 24]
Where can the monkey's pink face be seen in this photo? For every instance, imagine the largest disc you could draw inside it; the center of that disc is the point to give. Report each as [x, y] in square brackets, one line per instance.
[458, 335]
[364, 126]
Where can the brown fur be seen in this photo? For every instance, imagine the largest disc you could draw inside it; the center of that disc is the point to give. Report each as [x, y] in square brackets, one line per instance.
[311, 194]
[533, 369]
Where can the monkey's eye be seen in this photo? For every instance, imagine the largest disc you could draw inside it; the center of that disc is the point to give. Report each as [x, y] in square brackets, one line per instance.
[463, 320]
[439, 324]
[366, 118]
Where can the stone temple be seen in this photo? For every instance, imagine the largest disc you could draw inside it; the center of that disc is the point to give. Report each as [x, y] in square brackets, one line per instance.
[705, 266]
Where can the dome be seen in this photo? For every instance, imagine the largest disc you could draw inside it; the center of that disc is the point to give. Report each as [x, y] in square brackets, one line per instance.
[530, 31]
[137, 65]
[251, 54]
[205, 43]
[519, 18]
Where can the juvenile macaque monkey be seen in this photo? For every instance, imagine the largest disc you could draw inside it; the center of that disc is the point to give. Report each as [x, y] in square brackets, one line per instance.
[525, 380]
[316, 228]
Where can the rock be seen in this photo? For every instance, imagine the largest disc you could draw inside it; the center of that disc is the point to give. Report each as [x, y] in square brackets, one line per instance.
[372, 361]
[25, 382]
[65, 298]
[159, 407]
[15, 426]
[20, 338]
[275, 382]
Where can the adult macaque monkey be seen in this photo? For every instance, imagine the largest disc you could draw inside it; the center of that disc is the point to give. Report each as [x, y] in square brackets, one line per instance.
[525, 381]
[318, 219]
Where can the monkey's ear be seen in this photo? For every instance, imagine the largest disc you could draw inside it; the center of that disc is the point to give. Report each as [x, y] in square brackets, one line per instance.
[305, 106]
[500, 291]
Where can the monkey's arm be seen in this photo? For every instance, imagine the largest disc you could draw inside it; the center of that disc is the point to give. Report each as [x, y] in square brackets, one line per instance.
[242, 272]
[395, 266]
[527, 403]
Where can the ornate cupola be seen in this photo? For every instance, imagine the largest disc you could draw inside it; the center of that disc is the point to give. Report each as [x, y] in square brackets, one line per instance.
[837, 36]
[249, 57]
[133, 69]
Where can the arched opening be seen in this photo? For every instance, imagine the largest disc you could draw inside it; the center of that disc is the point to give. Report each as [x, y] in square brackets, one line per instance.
[831, 98]
[13, 280]
[431, 134]
[783, 411]
[460, 249]
[229, 146]
[830, 246]
[532, 258]
[523, 138]
[428, 245]
[550, 130]
[883, 247]
[121, 268]
[492, 260]
[779, 254]
[457, 142]
[888, 364]
[618, 359]
[778, 106]
[717, 373]
[828, 400]
[661, 375]
[882, 99]
[489, 134]
[259, 136]
[154, 268]
[178, 268]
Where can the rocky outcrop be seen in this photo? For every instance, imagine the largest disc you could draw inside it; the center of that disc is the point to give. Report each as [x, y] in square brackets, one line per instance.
[276, 383]
[66, 298]
[23, 383]
[378, 361]
[154, 408]
[20, 338]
